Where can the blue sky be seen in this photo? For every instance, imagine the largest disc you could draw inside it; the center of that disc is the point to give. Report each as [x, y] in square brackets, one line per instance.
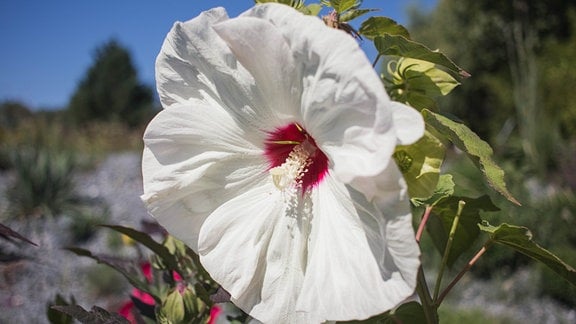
[47, 46]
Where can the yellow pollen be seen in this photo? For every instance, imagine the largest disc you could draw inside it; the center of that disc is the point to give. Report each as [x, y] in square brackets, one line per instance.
[295, 166]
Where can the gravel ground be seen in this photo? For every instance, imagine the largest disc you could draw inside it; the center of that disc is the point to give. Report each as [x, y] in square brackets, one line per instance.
[39, 273]
[28, 283]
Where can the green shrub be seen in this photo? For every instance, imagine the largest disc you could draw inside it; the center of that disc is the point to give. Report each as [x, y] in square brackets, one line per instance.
[44, 181]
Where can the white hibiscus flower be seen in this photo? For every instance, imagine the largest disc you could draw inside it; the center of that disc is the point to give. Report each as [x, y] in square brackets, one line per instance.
[272, 160]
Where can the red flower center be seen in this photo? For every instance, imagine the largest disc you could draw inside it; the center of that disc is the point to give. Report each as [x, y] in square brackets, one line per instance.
[294, 158]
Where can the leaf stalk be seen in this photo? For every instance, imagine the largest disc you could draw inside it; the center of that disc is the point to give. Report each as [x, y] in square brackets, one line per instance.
[451, 236]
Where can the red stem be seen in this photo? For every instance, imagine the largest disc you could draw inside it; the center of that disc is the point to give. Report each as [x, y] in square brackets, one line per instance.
[461, 274]
[423, 223]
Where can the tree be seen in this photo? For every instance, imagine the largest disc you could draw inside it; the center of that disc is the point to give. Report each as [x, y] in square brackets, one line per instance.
[512, 49]
[110, 90]
[12, 114]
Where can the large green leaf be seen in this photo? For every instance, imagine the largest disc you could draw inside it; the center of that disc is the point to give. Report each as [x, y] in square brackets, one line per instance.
[416, 82]
[399, 45]
[520, 239]
[162, 251]
[477, 150]
[420, 164]
[379, 26]
[467, 231]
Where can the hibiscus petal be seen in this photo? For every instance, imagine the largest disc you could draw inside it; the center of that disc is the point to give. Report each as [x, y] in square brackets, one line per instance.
[264, 52]
[195, 63]
[353, 257]
[194, 160]
[255, 251]
[281, 269]
[408, 123]
[344, 106]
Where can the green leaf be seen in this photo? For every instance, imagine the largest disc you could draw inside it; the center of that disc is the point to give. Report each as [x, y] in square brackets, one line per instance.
[118, 265]
[444, 212]
[146, 240]
[416, 82]
[411, 312]
[342, 6]
[355, 13]
[399, 45]
[444, 189]
[520, 239]
[477, 150]
[312, 9]
[420, 164]
[96, 315]
[380, 26]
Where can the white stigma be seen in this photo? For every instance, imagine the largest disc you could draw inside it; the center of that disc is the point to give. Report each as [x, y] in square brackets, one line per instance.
[290, 173]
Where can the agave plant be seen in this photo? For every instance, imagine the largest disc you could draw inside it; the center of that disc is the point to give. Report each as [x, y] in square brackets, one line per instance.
[44, 181]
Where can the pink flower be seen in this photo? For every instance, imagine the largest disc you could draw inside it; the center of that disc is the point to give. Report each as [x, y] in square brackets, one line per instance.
[215, 311]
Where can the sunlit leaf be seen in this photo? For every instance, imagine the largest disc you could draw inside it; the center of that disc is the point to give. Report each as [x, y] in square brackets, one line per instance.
[520, 239]
[341, 6]
[96, 315]
[477, 150]
[417, 82]
[444, 189]
[467, 231]
[355, 13]
[398, 45]
[379, 26]
[168, 258]
[312, 9]
[420, 164]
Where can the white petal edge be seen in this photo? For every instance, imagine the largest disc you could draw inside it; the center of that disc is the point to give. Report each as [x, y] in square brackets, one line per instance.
[408, 123]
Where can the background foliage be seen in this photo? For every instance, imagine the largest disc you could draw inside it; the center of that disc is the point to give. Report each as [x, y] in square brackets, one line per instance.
[110, 90]
[520, 54]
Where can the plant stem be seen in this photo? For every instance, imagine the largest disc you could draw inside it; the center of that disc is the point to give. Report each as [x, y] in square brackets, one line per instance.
[423, 223]
[463, 272]
[424, 294]
[455, 222]
[376, 60]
